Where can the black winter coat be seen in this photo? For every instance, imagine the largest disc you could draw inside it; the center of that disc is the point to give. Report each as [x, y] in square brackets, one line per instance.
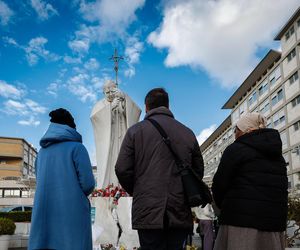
[146, 170]
[250, 185]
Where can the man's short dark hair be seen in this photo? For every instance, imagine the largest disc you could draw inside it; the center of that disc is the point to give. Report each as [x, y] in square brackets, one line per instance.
[156, 98]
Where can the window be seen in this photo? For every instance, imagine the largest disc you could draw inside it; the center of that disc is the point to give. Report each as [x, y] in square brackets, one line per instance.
[278, 118]
[264, 107]
[11, 193]
[235, 115]
[293, 78]
[278, 97]
[290, 32]
[275, 75]
[283, 138]
[25, 169]
[295, 101]
[25, 193]
[269, 123]
[243, 107]
[297, 126]
[263, 88]
[291, 55]
[252, 98]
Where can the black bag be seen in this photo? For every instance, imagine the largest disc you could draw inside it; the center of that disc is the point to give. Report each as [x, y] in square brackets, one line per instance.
[196, 191]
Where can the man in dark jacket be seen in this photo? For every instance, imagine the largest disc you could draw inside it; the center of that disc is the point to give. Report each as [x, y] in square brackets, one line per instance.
[146, 170]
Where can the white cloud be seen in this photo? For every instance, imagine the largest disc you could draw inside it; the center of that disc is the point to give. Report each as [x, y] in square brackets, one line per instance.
[12, 107]
[53, 87]
[78, 85]
[80, 46]
[10, 91]
[92, 64]
[11, 41]
[27, 108]
[29, 122]
[133, 49]
[205, 133]
[35, 107]
[5, 13]
[72, 60]
[44, 10]
[129, 72]
[132, 53]
[36, 50]
[98, 83]
[23, 107]
[112, 17]
[221, 36]
[83, 37]
[109, 22]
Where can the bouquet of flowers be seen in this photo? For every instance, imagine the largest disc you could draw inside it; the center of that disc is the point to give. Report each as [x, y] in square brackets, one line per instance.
[110, 191]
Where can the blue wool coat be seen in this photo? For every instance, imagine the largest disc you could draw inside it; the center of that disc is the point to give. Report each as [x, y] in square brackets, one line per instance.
[61, 218]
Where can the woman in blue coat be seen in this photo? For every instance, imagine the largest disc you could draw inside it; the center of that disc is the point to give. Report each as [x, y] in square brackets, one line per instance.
[61, 217]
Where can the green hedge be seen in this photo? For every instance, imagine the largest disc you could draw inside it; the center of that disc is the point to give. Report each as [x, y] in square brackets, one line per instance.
[7, 226]
[17, 216]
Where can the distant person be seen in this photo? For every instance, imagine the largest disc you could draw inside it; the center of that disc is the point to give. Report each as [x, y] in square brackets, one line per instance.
[206, 216]
[61, 217]
[146, 170]
[250, 188]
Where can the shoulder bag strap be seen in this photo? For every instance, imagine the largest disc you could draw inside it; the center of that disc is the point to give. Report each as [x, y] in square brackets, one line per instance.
[167, 141]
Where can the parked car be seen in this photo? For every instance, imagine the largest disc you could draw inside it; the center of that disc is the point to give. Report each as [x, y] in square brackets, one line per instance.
[16, 208]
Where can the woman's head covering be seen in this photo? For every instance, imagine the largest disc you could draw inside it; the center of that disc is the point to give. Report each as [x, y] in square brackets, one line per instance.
[62, 116]
[251, 121]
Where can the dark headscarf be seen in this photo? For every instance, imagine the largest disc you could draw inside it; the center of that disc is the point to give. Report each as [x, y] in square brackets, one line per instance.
[62, 116]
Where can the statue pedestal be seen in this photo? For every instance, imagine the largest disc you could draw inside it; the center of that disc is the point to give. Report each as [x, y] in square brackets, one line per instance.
[105, 229]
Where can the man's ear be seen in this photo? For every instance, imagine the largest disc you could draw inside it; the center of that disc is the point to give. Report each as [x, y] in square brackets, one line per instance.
[146, 108]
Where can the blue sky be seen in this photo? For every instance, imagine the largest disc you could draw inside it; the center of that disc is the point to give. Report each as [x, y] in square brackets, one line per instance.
[55, 54]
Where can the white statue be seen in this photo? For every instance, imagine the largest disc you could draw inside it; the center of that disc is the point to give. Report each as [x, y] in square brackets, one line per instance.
[111, 117]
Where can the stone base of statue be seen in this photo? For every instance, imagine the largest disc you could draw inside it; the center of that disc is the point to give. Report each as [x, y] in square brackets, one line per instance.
[107, 217]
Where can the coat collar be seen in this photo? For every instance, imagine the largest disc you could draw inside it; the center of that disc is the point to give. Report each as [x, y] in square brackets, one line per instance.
[159, 111]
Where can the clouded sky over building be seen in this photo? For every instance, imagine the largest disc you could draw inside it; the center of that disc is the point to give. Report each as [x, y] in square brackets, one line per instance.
[56, 54]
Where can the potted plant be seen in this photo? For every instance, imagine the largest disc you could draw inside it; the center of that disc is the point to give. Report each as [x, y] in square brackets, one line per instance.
[7, 228]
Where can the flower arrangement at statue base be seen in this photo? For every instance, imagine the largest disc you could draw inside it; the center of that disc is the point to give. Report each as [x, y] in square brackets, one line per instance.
[110, 191]
[113, 217]
[111, 247]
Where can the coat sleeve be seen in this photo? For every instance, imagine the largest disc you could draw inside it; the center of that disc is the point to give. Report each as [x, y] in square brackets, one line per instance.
[225, 173]
[125, 163]
[197, 160]
[84, 169]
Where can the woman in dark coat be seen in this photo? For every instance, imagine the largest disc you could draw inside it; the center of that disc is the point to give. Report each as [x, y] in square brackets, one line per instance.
[250, 188]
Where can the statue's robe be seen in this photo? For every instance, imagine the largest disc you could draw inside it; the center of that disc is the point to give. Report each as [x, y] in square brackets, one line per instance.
[110, 127]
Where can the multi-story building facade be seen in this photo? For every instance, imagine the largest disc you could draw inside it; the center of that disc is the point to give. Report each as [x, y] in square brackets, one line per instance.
[273, 89]
[17, 159]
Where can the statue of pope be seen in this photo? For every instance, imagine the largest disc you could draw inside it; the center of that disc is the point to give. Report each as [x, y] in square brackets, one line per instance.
[111, 117]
